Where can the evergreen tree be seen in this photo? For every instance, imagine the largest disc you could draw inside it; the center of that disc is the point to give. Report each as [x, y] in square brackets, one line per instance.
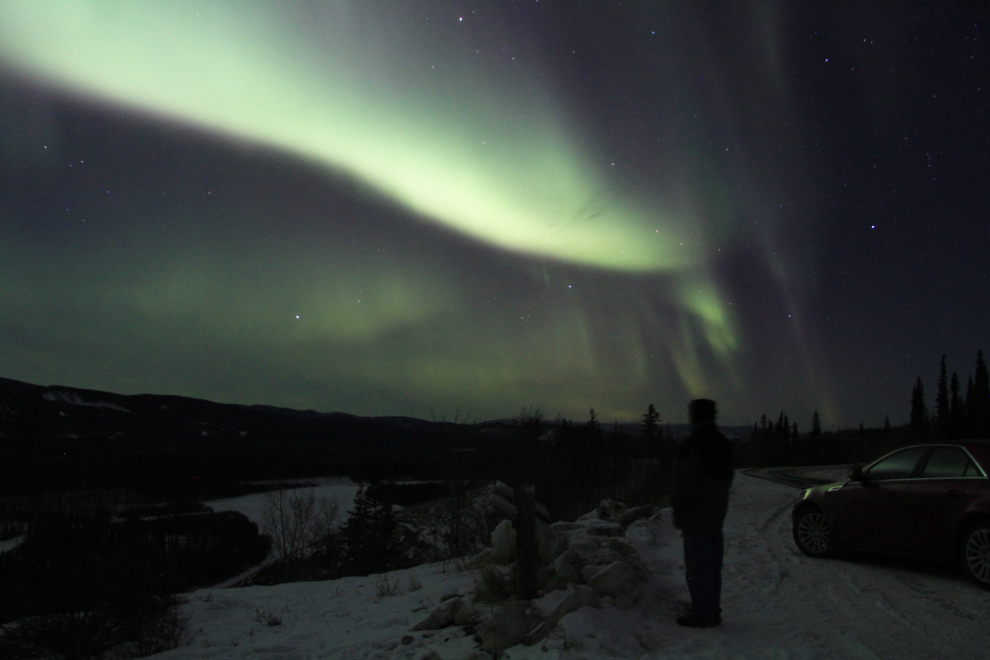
[816, 427]
[957, 410]
[942, 413]
[618, 456]
[592, 425]
[796, 450]
[970, 403]
[529, 426]
[371, 535]
[651, 423]
[919, 412]
[981, 399]
[590, 459]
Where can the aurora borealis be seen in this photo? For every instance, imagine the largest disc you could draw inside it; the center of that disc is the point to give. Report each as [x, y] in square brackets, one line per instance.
[438, 208]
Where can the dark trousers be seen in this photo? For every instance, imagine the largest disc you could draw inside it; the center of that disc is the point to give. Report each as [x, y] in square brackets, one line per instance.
[703, 567]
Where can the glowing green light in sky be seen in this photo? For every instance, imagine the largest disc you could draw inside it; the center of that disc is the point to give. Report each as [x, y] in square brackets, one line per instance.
[440, 123]
[480, 150]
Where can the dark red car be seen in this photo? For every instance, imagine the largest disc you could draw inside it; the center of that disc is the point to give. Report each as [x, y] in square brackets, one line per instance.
[928, 502]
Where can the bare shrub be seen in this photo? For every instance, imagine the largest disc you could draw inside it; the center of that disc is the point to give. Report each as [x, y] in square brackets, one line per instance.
[160, 631]
[453, 527]
[64, 635]
[158, 625]
[385, 587]
[297, 523]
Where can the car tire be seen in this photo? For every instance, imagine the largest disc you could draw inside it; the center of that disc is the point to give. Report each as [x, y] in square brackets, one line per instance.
[812, 533]
[974, 553]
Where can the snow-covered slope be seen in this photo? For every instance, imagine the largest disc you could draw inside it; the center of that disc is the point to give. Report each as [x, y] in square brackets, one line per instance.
[777, 604]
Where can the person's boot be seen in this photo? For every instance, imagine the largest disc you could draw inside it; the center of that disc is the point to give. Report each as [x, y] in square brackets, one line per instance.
[692, 621]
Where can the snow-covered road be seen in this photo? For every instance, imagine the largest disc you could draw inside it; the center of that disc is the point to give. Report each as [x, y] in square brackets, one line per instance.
[780, 603]
[777, 604]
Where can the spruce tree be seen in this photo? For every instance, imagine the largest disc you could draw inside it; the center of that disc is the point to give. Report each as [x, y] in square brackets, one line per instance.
[919, 413]
[957, 411]
[590, 452]
[942, 413]
[371, 535]
[970, 405]
[779, 431]
[651, 423]
[592, 424]
[815, 440]
[981, 399]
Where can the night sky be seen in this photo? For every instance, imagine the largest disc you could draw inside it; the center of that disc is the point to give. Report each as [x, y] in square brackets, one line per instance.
[462, 209]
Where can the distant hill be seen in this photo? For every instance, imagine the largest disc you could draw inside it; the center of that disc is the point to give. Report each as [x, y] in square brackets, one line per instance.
[57, 436]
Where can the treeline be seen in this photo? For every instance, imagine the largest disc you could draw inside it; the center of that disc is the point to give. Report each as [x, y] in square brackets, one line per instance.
[955, 414]
[781, 444]
[575, 465]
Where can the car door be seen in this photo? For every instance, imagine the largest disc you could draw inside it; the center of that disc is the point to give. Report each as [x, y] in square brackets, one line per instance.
[936, 502]
[871, 515]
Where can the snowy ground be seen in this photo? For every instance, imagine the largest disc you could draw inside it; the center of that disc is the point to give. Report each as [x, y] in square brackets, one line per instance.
[777, 604]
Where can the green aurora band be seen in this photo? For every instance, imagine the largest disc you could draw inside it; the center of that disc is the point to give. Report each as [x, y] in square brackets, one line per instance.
[504, 172]
[488, 152]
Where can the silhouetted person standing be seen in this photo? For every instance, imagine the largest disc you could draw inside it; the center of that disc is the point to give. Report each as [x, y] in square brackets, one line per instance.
[700, 498]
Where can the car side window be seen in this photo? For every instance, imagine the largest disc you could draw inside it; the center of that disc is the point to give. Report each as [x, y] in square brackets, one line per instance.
[897, 466]
[949, 463]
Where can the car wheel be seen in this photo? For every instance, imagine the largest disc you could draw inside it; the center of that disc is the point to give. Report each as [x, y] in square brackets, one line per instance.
[812, 533]
[975, 553]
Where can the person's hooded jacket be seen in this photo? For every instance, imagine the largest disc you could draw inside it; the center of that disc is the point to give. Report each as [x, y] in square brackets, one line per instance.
[703, 471]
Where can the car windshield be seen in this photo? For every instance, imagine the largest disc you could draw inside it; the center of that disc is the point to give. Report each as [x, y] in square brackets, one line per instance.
[897, 466]
[949, 463]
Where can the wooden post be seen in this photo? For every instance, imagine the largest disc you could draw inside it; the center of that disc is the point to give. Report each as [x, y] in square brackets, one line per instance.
[520, 505]
[526, 559]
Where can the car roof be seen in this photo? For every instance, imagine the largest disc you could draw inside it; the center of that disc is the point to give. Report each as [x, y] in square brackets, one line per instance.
[985, 444]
